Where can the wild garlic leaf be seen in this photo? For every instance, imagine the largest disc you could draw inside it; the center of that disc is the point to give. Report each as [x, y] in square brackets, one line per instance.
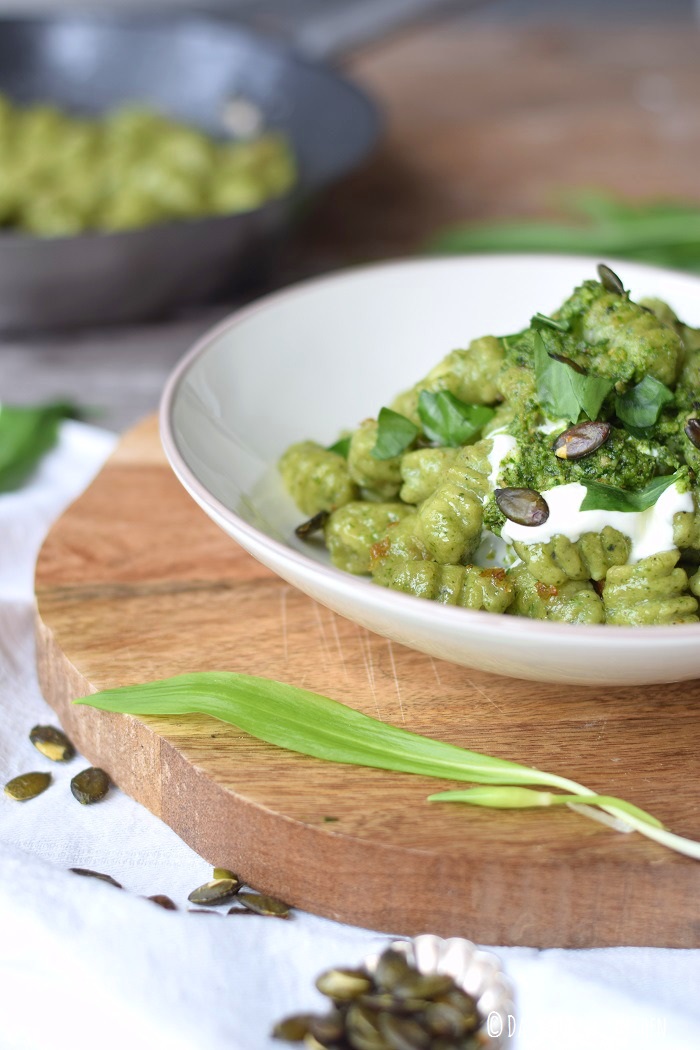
[497, 797]
[640, 407]
[631, 817]
[564, 392]
[310, 724]
[607, 497]
[394, 435]
[449, 421]
[315, 725]
[341, 447]
[26, 434]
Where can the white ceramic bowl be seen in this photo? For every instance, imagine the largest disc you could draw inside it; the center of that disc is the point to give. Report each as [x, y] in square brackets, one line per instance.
[321, 356]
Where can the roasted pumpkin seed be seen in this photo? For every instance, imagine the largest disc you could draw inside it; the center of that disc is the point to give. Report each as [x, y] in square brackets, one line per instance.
[446, 1019]
[90, 786]
[463, 1002]
[403, 1033]
[580, 440]
[239, 911]
[523, 506]
[53, 743]
[292, 1029]
[343, 984]
[692, 430]
[263, 905]
[424, 985]
[97, 875]
[327, 1028]
[312, 1043]
[391, 1004]
[224, 873]
[567, 361]
[362, 1028]
[218, 891]
[392, 969]
[315, 524]
[163, 901]
[27, 785]
[609, 280]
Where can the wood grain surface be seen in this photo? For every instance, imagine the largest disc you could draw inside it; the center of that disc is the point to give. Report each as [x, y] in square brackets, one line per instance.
[135, 583]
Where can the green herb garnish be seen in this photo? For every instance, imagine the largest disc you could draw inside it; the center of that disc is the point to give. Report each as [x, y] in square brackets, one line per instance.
[395, 433]
[607, 497]
[543, 321]
[27, 434]
[341, 447]
[449, 421]
[640, 407]
[315, 725]
[563, 391]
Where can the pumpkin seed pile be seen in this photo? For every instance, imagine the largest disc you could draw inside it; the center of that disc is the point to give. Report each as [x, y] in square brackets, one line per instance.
[394, 1008]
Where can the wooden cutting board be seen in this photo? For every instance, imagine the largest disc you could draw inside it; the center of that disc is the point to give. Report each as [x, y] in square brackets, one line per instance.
[135, 583]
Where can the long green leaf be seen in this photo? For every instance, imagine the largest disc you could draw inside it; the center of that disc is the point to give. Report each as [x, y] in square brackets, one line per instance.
[315, 725]
[311, 724]
[667, 233]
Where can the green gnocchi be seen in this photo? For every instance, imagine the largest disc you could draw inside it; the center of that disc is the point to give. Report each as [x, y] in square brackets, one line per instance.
[575, 496]
[63, 174]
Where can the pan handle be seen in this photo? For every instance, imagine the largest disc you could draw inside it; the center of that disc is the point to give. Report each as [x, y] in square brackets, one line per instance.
[332, 29]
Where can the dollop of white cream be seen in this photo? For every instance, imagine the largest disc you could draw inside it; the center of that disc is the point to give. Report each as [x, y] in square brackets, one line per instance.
[650, 531]
[493, 552]
[503, 445]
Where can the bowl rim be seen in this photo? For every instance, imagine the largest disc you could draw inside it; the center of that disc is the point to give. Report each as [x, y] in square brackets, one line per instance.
[477, 622]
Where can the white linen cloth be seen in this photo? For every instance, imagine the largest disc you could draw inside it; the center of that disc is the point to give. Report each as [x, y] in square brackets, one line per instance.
[82, 963]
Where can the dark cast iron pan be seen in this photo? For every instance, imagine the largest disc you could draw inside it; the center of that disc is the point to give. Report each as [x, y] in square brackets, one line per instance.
[189, 67]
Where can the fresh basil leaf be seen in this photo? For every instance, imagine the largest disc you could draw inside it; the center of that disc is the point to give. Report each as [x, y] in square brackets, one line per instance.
[450, 421]
[341, 447]
[555, 389]
[606, 497]
[26, 434]
[540, 321]
[394, 435]
[563, 391]
[592, 392]
[640, 407]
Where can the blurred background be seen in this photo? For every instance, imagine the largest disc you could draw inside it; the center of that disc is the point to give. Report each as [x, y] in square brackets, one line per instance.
[511, 111]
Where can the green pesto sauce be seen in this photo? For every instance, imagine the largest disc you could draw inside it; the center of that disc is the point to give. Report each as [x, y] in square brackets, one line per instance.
[624, 461]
